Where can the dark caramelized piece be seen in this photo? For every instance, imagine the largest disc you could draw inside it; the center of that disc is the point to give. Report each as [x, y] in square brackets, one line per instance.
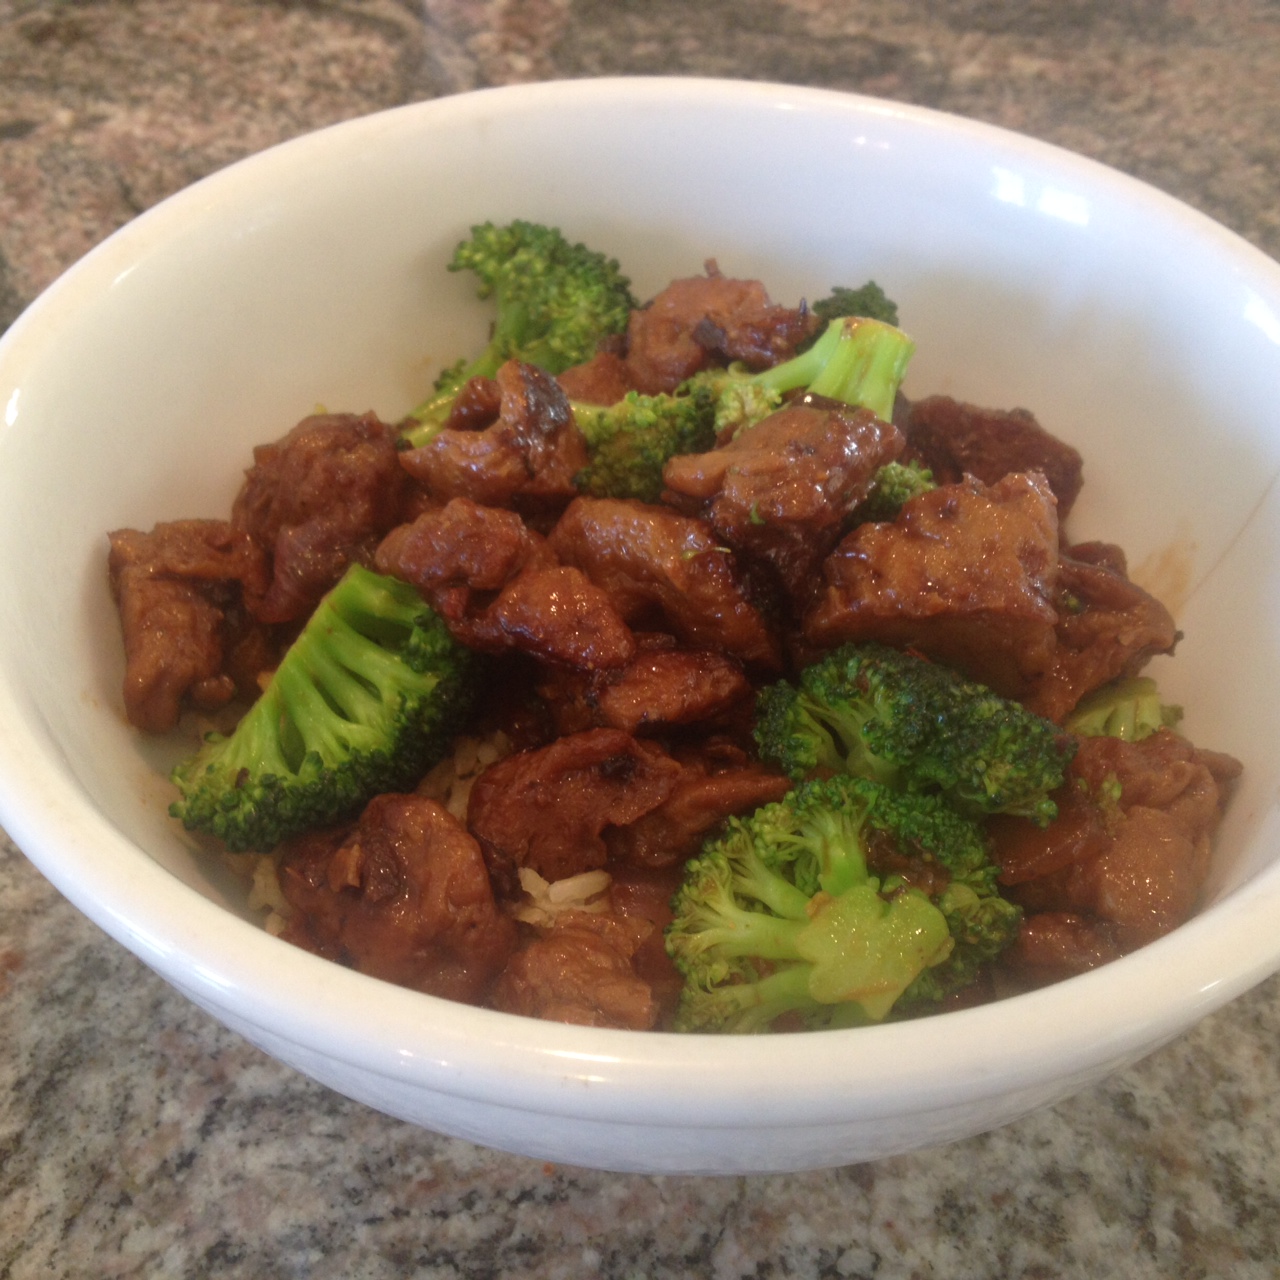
[783, 491]
[966, 575]
[181, 591]
[528, 456]
[654, 561]
[546, 809]
[581, 970]
[404, 896]
[498, 587]
[702, 797]
[317, 501]
[955, 440]
[1130, 847]
[663, 685]
[704, 320]
[1107, 628]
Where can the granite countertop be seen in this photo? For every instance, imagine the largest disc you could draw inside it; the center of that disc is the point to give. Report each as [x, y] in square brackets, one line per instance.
[139, 1138]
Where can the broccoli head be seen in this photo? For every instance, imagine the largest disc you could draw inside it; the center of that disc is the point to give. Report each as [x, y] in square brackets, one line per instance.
[1129, 709]
[879, 713]
[893, 485]
[629, 442]
[364, 701]
[778, 922]
[555, 301]
[870, 301]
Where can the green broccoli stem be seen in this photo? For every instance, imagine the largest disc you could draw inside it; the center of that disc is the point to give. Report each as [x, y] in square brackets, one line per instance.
[732, 929]
[747, 1007]
[753, 878]
[835, 840]
[327, 664]
[856, 360]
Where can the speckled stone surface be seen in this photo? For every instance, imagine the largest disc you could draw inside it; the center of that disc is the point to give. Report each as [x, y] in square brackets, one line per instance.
[140, 1139]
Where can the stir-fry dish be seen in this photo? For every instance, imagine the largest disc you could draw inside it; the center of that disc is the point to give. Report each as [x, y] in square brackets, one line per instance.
[669, 668]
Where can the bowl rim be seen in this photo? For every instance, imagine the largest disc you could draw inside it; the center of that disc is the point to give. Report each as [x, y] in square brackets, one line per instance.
[225, 963]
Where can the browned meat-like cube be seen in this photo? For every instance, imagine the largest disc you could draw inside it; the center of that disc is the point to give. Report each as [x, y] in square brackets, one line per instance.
[581, 970]
[654, 561]
[529, 456]
[403, 895]
[604, 379]
[476, 406]
[317, 501]
[954, 439]
[701, 320]
[497, 587]
[557, 614]
[1052, 945]
[181, 591]
[703, 796]
[782, 491]
[460, 545]
[1126, 858]
[967, 575]
[645, 893]
[1108, 627]
[663, 685]
[545, 809]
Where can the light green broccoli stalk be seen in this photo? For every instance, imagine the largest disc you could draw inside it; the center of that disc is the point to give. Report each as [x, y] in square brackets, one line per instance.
[856, 360]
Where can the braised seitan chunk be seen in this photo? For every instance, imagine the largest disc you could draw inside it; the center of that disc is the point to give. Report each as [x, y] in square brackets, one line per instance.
[528, 456]
[782, 491]
[546, 808]
[318, 500]
[700, 321]
[659, 565]
[183, 591]
[402, 895]
[966, 575]
[954, 440]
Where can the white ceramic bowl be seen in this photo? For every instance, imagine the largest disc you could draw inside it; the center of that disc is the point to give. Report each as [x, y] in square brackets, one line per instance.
[133, 390]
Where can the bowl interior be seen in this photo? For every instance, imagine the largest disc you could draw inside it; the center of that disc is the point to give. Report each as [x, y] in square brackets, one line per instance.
[315, 275]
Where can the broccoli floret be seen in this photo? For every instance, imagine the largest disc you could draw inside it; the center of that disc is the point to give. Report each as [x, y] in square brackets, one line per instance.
[879, 713]
[1129, 709]
[860, 362]
[870, 301]
[981, 925]
[856, 360]
[555, 301]
[364, 701]
[780, 918]
[629, 442]
[740, 402]
[894, 484]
